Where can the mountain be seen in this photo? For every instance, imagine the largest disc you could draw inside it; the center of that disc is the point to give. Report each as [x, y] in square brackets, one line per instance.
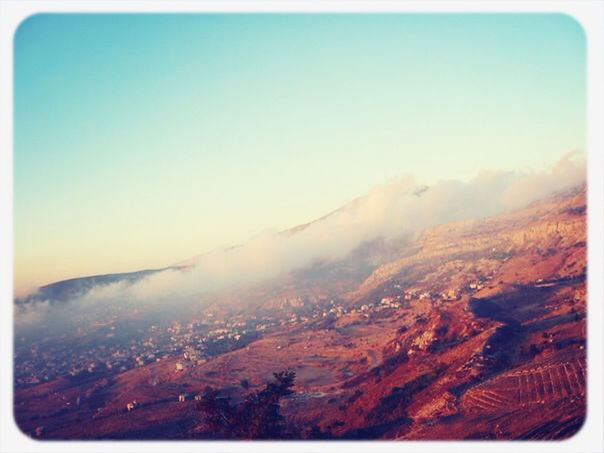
[368, 252]
[472, 330]
[65, 290]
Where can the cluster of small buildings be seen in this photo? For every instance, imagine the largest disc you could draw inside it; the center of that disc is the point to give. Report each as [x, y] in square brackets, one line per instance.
[47, 360]
[118, 351]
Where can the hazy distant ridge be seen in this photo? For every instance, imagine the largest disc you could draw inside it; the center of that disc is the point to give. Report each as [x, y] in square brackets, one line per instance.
[65, 290]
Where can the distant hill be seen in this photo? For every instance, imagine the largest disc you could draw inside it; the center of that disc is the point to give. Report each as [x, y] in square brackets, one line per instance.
[64, 290]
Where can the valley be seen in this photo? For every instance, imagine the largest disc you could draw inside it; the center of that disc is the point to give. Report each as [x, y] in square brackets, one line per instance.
[472, 330]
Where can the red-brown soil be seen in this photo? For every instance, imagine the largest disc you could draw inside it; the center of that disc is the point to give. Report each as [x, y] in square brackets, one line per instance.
[476, 332]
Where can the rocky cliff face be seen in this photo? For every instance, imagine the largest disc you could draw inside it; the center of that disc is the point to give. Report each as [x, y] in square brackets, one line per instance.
[552, 226]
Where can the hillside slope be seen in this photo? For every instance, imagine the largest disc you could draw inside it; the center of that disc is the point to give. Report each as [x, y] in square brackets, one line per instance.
[476, 330]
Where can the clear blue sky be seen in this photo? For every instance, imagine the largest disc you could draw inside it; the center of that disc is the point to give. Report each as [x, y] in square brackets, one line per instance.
[142, 140]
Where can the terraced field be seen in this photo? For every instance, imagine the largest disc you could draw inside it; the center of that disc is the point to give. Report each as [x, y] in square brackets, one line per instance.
[551, 382]
[539, 384]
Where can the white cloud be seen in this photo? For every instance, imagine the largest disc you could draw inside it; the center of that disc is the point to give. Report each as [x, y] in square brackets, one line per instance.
[390, 210]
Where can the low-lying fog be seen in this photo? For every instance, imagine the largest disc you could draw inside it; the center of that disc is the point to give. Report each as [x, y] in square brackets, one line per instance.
[398, 207]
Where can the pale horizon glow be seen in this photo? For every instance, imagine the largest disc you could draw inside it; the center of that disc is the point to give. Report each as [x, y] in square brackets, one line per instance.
[144, 140]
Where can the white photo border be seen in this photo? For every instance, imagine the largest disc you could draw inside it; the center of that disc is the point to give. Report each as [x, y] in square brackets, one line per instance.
[588, 13]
